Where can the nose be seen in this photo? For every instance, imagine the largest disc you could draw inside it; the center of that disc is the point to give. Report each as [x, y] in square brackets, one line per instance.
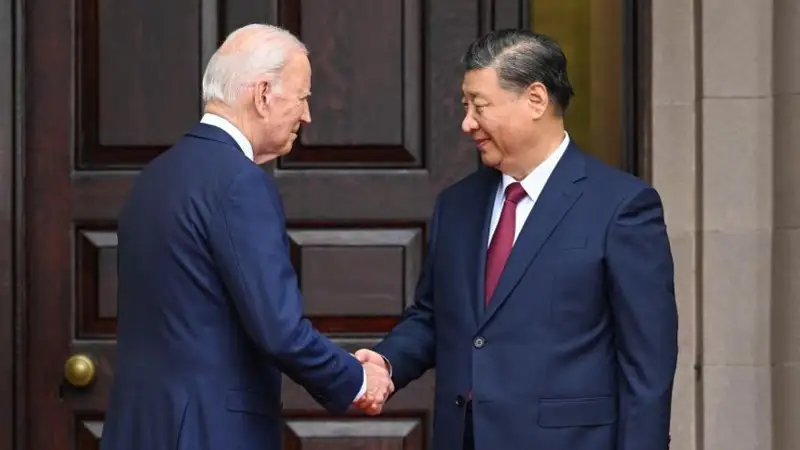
[469, 124]
[306, 117]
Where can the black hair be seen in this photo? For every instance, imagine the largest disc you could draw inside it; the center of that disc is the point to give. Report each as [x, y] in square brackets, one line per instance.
[522, 57]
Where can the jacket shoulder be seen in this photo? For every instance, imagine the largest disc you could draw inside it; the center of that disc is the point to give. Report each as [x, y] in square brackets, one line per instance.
[470, 185]
[613, 180]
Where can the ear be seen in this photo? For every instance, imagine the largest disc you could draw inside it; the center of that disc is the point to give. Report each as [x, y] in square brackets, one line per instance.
[261, 94]
[538, 99]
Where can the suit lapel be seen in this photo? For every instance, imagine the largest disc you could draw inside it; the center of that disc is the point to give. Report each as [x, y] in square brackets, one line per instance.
[559, 194]
[479, 206]
[474, 213]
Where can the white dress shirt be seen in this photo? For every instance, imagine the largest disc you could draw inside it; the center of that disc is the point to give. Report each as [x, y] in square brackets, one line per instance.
[533, 185]
[235, 133]
[247, 148]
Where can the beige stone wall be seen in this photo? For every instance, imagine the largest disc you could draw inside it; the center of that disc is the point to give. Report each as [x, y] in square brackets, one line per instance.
[726, 159]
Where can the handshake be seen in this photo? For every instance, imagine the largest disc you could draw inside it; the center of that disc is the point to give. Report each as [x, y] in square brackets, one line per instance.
[379, 382]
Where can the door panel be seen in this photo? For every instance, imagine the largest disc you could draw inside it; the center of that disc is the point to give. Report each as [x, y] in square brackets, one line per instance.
[358, 188]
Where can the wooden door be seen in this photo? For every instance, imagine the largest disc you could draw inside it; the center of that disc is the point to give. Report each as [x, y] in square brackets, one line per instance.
[109, 85]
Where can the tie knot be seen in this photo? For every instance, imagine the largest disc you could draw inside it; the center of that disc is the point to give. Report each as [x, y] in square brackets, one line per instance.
[515, 192]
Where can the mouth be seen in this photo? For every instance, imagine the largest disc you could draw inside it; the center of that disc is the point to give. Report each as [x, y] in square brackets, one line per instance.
[481, 143]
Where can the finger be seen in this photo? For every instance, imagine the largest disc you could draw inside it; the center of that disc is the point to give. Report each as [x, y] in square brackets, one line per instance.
[367, 406]
[363, 402]
[384, 394]
[361, 406]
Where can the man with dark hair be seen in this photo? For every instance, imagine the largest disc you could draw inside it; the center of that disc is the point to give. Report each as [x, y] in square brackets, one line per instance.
[546, 302]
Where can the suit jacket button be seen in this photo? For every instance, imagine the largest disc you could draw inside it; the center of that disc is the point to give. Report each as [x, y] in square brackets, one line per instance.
[479, 342]
[460, 400]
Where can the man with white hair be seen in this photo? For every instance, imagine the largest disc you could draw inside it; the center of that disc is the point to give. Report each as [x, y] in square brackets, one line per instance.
[209, 309]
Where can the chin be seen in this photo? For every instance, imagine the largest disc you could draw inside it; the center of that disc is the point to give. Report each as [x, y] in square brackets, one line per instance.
[489, 161]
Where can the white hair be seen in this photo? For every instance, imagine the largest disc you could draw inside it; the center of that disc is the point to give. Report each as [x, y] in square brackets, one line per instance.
[263, 51]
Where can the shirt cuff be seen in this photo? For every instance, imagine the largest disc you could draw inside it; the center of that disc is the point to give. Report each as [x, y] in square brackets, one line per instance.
[363, 385]
[388, 365]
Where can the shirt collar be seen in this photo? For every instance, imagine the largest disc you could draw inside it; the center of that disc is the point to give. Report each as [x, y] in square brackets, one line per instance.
[228, 127]
[535, 181]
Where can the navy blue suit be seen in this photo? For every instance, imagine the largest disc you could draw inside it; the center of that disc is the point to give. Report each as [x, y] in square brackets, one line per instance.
[578, 346]
[209, 309]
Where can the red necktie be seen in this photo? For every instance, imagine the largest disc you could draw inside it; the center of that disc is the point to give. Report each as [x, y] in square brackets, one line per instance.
[503, 238]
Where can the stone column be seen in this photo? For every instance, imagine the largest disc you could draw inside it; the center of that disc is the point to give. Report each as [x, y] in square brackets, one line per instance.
[737, 223]
[786, 257]
[675, 170]
[714, 141]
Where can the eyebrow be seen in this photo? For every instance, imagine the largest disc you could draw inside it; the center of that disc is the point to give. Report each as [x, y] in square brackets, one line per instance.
[472, 97]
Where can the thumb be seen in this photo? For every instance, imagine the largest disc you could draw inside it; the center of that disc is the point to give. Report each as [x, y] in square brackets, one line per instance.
[363, 355]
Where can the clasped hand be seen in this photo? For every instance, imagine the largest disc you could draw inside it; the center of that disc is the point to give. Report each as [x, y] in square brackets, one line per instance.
[379, 383]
